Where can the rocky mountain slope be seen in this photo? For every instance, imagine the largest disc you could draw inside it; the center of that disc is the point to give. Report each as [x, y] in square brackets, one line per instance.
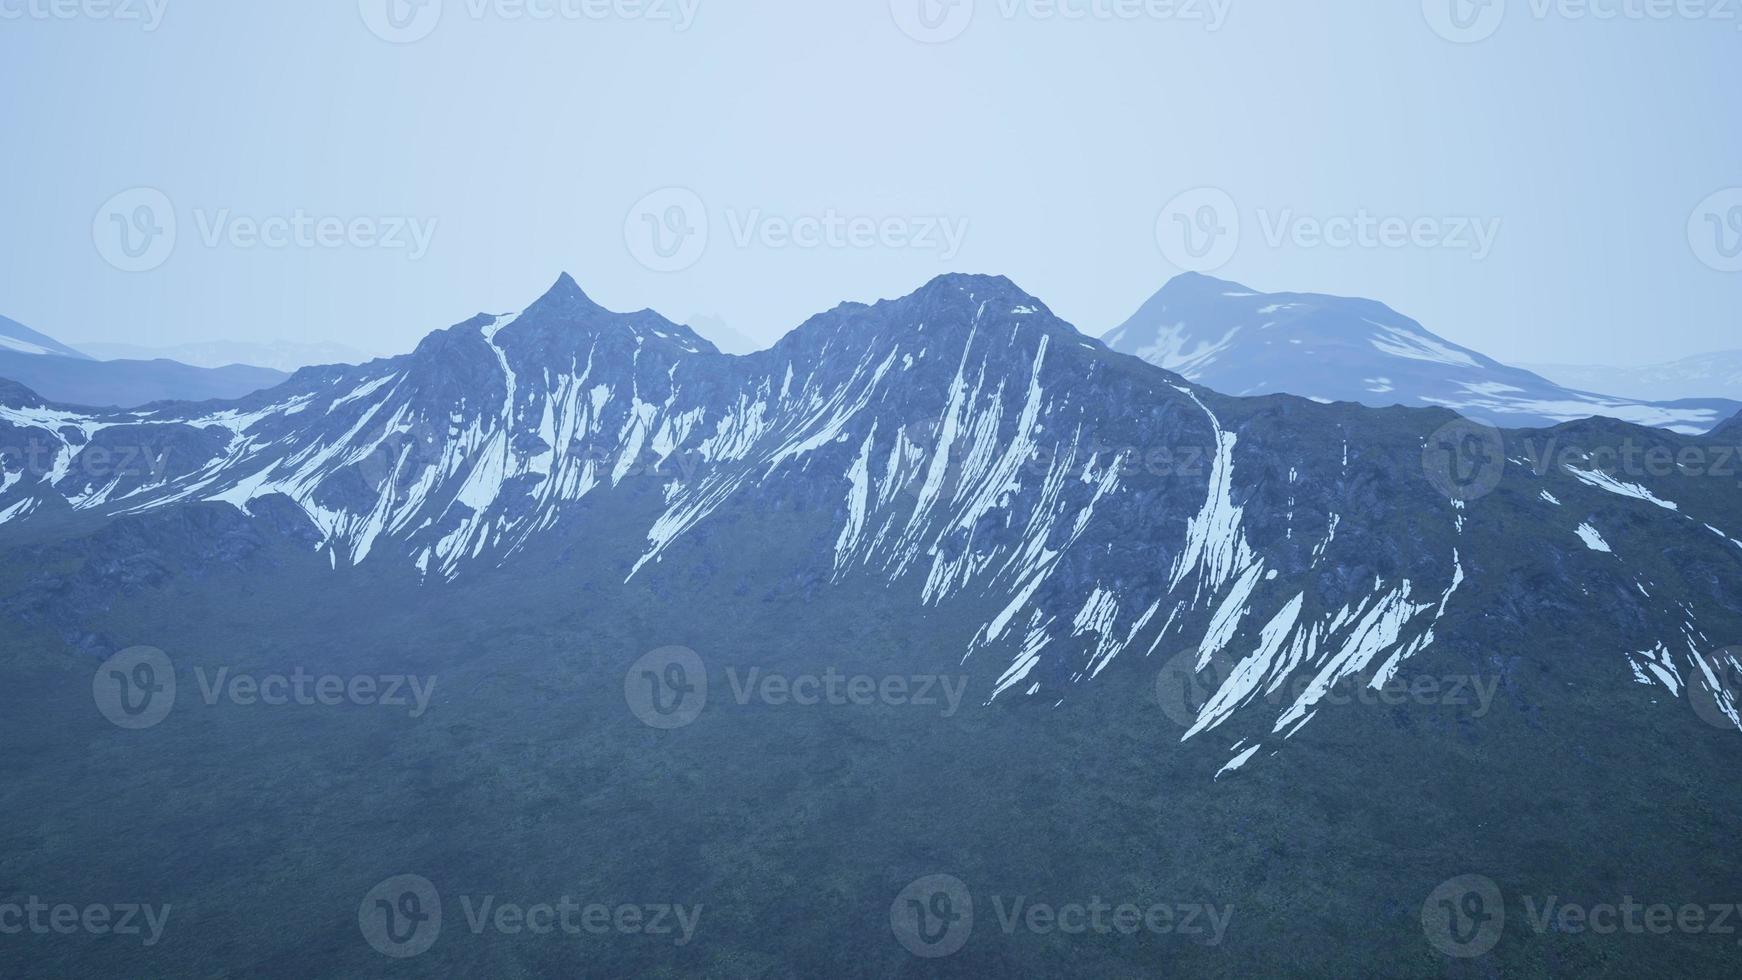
[963, 450]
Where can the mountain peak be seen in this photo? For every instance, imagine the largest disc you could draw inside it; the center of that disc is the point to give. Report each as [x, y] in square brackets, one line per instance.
[982, 289]
[565, 297]
[565, 315]
[1197, 284]
[1242, 342]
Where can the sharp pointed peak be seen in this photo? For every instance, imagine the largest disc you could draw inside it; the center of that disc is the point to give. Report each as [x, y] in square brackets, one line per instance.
[565, 296]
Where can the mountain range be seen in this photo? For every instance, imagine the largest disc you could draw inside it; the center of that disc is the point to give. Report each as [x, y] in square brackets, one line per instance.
[1189, 612]
[283, 356]
[1716, 375]
[962, 441]
[1243, 342]
[62, 374]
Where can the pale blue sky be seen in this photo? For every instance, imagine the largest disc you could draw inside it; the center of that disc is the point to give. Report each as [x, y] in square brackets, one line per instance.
[1050, 146]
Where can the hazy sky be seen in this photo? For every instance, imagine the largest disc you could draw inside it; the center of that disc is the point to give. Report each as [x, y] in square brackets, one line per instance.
[367, 172]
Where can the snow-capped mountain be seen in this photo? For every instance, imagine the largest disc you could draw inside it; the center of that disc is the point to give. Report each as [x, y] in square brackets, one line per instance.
[1714, 375]
[1242, 342]
[17, 338]
[1079, 513]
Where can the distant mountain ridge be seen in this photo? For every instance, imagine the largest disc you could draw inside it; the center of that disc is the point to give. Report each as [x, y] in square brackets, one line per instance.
[721, 335]
[61, 374]
[1243, 342]
[284, 356]
[1714, 375]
